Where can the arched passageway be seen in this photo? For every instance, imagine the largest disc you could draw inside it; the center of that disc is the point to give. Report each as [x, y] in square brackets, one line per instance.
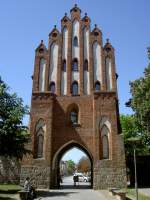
[85, 179]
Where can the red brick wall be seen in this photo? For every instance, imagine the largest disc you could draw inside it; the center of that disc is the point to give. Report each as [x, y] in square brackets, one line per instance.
[55, 111]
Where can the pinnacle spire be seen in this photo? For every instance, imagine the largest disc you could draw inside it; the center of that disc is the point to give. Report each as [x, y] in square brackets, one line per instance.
[148, 52]
[107, 40]
[75, 8]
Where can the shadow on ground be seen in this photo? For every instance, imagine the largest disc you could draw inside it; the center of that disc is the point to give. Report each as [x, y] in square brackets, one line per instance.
[7, 198]
[75, 187]
[53, 193]
[58, 191]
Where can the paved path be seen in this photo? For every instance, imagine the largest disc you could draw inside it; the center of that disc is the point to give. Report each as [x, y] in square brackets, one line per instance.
[145, 191]
[79, 192]
[75, 194]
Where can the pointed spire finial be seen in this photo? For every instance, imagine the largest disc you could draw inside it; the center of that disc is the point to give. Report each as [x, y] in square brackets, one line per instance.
[148, 52]
[75, 5]
[55, 26]
[95, 25]
[41, 41]
[85, 14]
[65, 14]
[107, 40]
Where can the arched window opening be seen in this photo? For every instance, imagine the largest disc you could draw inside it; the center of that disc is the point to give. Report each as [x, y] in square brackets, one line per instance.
[75, 41]
[52, 87]
[105, 142]
[74, 116]
[75, 65]
[97, 86]
[74, 88]
[105, 147]
[64, 65]
[86, 65]
[40, 140]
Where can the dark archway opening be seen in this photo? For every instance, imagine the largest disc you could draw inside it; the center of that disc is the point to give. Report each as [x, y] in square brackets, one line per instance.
[85, 179]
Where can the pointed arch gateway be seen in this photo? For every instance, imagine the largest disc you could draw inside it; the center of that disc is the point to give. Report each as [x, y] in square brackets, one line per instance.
[64, 96]
[59, 154]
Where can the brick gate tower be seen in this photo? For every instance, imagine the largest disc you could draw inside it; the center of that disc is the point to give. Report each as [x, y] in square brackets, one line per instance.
[75, 104]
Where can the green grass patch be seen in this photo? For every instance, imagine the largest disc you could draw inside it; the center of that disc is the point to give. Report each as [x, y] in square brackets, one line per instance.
[9, 196]
[9, 187]
[9, 191]
[131, 193]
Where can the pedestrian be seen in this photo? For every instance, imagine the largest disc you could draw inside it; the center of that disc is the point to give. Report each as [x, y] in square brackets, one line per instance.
[27, 185]
[29, 189]
[59, 180]
[75, 179]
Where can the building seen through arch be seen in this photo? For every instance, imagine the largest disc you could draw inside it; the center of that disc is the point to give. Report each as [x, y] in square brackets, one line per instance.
[75, 104]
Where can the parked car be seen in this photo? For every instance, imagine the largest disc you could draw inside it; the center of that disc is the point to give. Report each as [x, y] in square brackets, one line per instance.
[82, 178]
[87, 179]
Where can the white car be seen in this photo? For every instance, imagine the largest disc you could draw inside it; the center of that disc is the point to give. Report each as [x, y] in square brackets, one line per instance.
[82, 178]
[87, 179]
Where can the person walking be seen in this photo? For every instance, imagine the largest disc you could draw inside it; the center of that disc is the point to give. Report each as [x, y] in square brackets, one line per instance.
[29, 189]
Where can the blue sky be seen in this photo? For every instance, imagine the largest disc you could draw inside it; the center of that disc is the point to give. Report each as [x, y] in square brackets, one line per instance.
[24, 23]
[74, 154]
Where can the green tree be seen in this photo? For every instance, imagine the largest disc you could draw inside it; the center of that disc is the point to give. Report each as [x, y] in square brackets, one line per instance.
[70, 166]
[13, 135]
[130, 130]
[140, 103]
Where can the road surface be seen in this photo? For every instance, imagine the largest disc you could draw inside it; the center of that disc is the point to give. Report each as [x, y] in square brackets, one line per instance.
[68, 191]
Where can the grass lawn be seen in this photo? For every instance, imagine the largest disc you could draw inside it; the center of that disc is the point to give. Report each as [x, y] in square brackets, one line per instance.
[9, 187]
[9, 191]
[131, 193]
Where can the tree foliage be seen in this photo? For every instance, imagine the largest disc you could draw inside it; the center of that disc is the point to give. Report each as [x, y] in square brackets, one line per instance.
[70, 166]
[84, 164]
[140, 103]
[130, 132]
[13, 135]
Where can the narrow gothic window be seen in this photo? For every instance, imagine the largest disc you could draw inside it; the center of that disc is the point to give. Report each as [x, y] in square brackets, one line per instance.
[40, 127]
[97, 86]
[105, 142]
[75, 65]
[52, 87]
[74, 117]
[105, 147]
[86, 65]
[74, 88]
[40, 146]
[75, 41]
[64, 65]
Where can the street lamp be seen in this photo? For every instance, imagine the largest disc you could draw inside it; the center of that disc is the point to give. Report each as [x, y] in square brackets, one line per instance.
[135, 141]
[135, 172]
